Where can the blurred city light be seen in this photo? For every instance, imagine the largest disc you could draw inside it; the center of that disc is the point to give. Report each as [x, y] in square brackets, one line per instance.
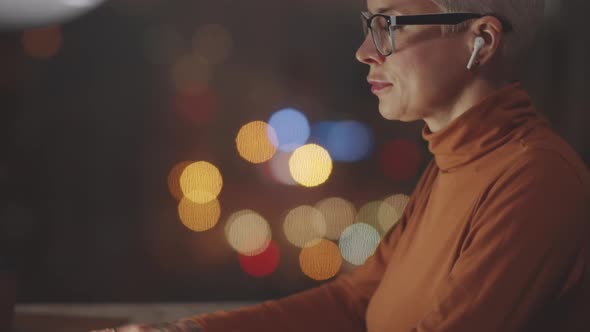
[387, 217]
[291, 128]
[34, 13]
[174, 179]
[248, 232]
[254, 142]
[163, 45]
[42, 43]
[189, 70]
[201, 182]
[304, 226]
[321, 261]
[310, 165]
[262, 264]
[278, 168]
[347, 141]
[212, 43]
[199, 217]
[401, 159]
[338, 214]
[358, 242]
[195, 103]
[369, 214]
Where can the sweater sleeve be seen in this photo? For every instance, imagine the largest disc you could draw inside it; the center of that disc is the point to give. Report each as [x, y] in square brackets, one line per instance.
[339, 305]
[527, 246]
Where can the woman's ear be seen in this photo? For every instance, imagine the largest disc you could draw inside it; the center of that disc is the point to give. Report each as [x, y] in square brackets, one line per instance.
[490, 29]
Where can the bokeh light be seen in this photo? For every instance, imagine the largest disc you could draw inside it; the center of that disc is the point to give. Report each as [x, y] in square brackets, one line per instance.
[201, 182]
[163, 45]
[195, 103]
[248, 232]
[369, 213]
[174, 179]
[387, 216]
[401, 159]
[199, 217]
[338, 214]
[391, 210]
[28, 13]
[262, 264]
[212, 43]
[278, 168]
[42, 43]
[254, 142]
[188, 70]
[291, 128]
[347, 141]
[310, 165]
[304, 226]
[322, 261]
[358, 242]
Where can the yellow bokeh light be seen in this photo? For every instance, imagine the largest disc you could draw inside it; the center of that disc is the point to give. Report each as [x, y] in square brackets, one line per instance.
[248, 232]
[310, 165]
[304, 226]
[201, 182]
[391, 211]
[199, 217]
[174, 179]
[43, 42]
[322, 261]
[213, 43]
[254, 142]
[338, 213]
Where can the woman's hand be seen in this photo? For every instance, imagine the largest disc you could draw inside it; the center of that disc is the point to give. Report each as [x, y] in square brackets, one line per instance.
[179, 326]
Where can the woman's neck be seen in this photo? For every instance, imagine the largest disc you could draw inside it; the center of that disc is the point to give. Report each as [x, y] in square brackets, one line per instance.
[469, 97]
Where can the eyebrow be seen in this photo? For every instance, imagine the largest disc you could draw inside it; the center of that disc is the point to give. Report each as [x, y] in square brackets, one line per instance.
[387, 10]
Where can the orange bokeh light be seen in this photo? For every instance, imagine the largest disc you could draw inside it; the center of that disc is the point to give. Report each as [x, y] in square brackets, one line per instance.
[199, 217]
[174, 179]
[322, 261]
[254, 142]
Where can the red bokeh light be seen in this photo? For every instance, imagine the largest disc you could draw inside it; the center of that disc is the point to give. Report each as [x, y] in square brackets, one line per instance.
[263, 264]
[195, 103]
[401, 159]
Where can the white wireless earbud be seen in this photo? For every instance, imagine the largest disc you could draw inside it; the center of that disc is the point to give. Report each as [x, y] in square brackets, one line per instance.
[479, 43]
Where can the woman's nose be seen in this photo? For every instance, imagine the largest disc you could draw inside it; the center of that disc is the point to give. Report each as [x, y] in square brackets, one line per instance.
[367, 53]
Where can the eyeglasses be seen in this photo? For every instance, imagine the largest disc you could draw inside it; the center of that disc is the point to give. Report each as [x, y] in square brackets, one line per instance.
[382, 26]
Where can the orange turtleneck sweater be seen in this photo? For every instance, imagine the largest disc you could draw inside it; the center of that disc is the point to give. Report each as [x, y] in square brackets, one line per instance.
[496, 237]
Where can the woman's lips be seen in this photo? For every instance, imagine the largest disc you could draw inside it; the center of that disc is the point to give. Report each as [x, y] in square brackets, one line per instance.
[377, 87]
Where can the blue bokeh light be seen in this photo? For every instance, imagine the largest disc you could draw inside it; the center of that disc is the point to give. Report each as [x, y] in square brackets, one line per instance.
[292, 129]
[346, 141]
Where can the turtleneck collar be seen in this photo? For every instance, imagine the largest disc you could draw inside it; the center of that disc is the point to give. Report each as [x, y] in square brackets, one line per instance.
[504, 116]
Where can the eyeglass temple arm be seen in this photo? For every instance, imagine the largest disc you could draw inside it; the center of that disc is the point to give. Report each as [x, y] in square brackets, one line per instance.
[444, 19]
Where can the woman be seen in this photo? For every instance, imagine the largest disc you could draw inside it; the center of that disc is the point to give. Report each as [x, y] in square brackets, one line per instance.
[496, 234]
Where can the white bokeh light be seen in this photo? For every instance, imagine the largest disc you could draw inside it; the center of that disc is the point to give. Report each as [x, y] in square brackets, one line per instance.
[31, 13]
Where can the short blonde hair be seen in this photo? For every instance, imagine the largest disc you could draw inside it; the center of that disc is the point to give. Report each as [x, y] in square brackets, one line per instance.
[524, 15]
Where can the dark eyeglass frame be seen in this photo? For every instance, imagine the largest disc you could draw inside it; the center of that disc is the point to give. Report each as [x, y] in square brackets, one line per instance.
[395, 21]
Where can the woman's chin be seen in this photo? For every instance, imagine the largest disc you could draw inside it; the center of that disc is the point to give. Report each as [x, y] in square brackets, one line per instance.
[388, 112]
[394, 113]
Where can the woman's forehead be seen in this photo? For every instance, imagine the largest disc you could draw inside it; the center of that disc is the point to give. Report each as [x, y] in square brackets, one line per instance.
[401, 7]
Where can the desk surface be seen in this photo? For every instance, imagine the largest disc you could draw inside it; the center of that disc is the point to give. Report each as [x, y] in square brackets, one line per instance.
[85, 317]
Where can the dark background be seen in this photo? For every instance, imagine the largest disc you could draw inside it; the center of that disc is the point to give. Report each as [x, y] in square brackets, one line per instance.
[89, 135]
